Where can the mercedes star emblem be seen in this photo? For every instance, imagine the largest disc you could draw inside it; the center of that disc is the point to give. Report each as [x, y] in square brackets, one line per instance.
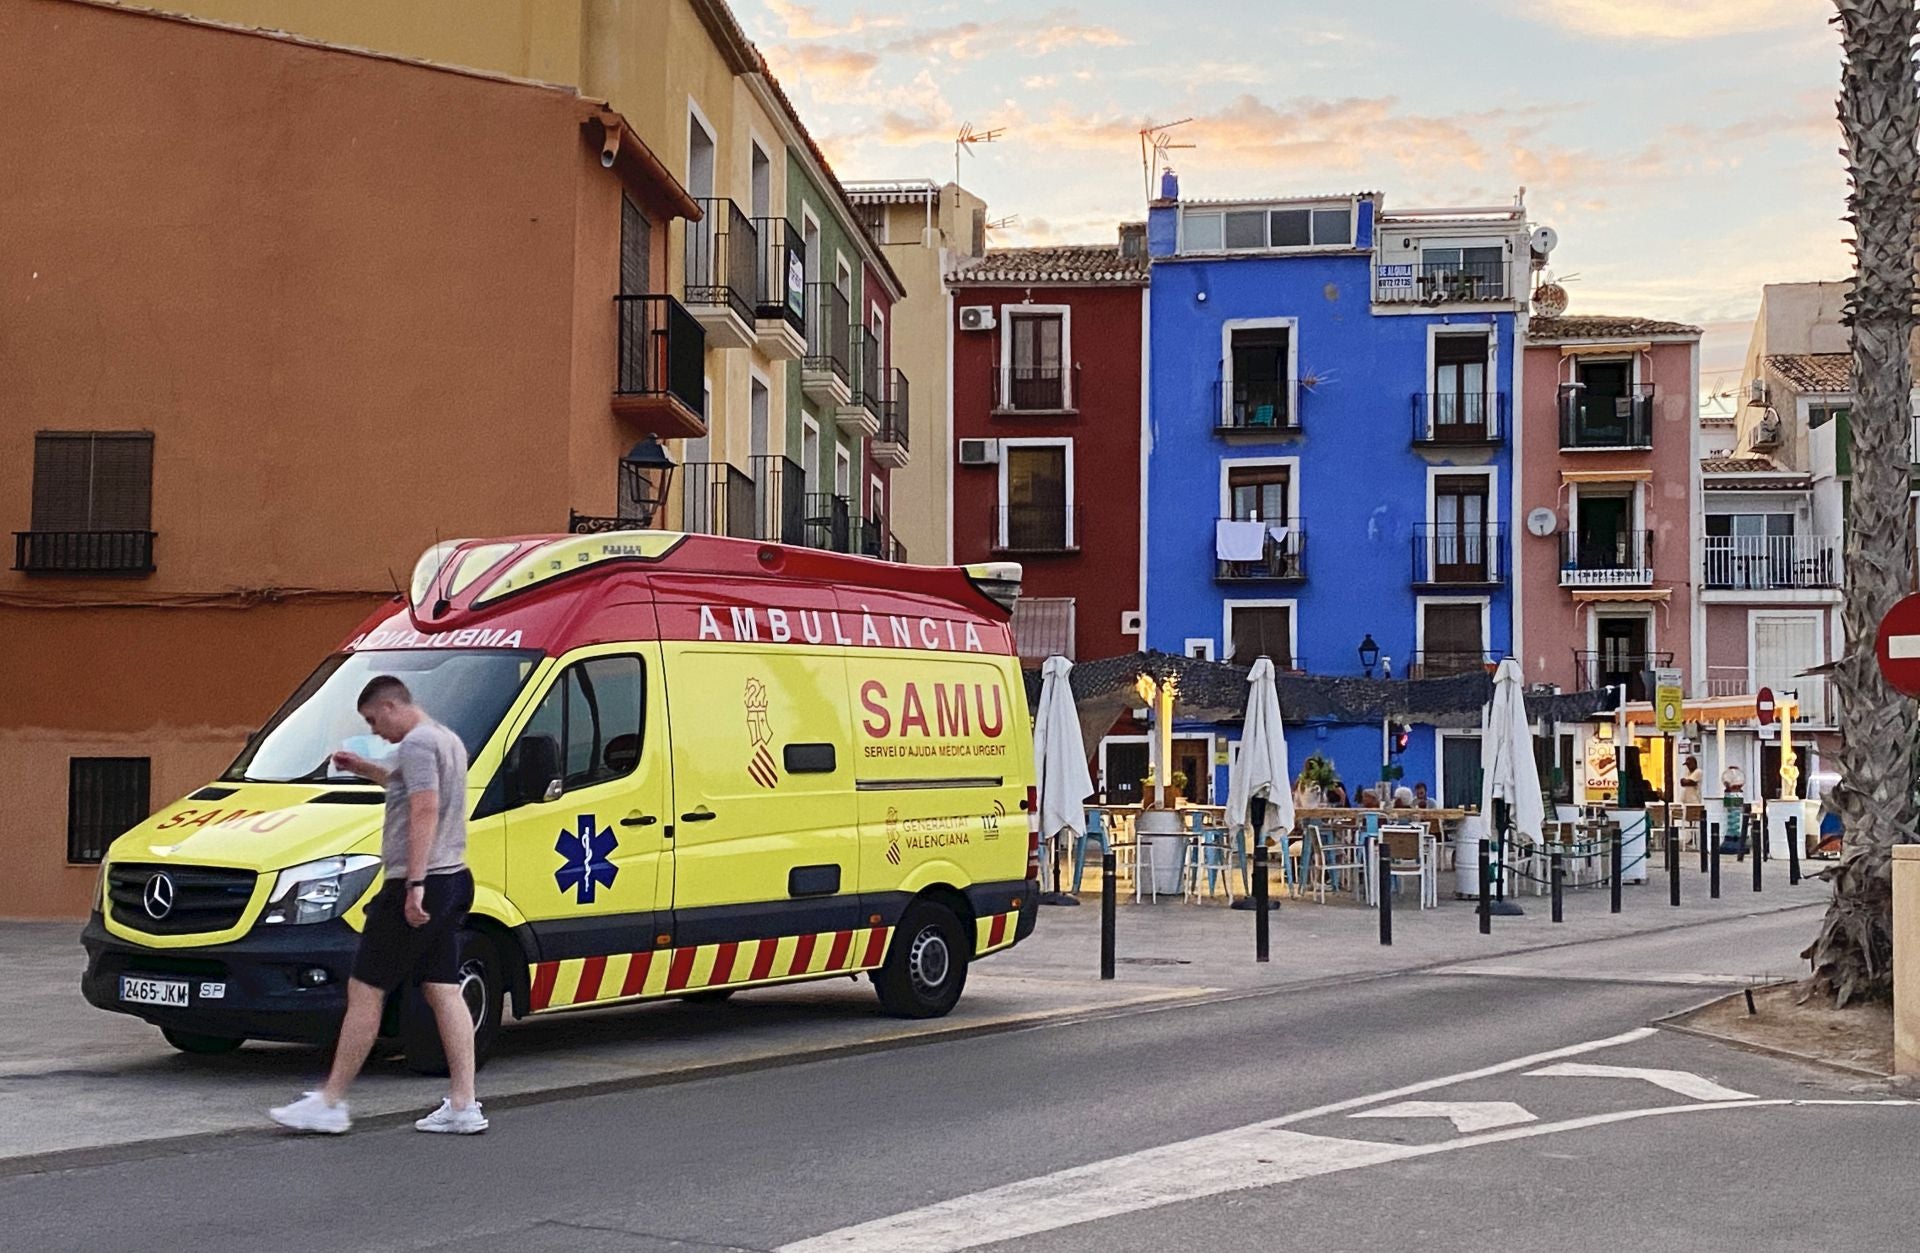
[158, 897]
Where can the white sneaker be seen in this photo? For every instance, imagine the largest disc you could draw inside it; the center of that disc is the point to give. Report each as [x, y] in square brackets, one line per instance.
[454, 1122]
[312, 1113]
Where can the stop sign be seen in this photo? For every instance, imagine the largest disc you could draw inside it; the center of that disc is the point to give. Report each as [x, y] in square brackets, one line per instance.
[1898, 646]
[1763, 706]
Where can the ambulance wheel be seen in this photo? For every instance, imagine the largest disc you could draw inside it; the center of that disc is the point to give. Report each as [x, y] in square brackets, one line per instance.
[926, 964]
[482, 982]
[204, 1045]
[712, 996]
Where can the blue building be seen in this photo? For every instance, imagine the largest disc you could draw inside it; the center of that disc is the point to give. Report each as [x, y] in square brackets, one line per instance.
[1332, 389]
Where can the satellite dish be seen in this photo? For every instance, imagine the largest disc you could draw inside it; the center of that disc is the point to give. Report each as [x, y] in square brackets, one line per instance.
[1541, 521]
[1545, 240]
[1549, 300]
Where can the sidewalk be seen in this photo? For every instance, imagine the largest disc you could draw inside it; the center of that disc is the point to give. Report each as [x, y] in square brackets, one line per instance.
[76, 1078]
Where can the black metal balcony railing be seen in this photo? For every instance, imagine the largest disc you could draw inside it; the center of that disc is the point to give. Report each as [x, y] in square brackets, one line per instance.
[868, 538]
[780, 490]
[83, 552]
[781, 281]
[894, 415]
[829, 332]
[716, 499]
[1283, 551]
[1438, 663]
[1453, 418]
[1770, 562]
[868, 374]
[829, 521]
[896, 551]
[1619, 668]
[1253, 407]
[1463, 280]
[1605, 420]
[1605, 558]
[1035, 389]
[723, 257]
[663, 352]
[1451, 555]
[1036, 529]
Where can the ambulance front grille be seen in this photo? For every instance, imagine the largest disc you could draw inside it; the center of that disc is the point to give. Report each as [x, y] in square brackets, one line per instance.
[191, 900]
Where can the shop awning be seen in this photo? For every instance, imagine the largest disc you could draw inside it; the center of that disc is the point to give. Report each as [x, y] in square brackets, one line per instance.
[1621, 595]
[1714, 709]
[1623, 475]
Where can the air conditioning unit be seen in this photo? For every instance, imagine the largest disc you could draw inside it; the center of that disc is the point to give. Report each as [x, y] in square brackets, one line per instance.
[979, 452]
[976, 317]
[1757, 393]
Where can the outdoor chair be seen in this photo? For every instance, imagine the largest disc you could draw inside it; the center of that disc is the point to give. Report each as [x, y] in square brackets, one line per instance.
[1096, 834]
[1327, 859]
[1208, 852]
[1410, 855]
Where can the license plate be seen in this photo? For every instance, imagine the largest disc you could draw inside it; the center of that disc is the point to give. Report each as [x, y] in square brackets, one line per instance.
[153, 991]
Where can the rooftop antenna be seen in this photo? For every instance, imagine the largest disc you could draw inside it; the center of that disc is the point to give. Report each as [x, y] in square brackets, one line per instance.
[1001, 224]
[1156, 141]
[966, 139]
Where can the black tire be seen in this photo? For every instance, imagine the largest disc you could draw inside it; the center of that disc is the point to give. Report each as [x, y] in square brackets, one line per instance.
[712, 996]
[926, 966]
[201, 1045]
[482, 985]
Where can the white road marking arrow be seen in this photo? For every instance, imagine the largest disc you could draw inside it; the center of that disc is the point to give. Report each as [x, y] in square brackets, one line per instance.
[1686, 1084]
[1465, 1116]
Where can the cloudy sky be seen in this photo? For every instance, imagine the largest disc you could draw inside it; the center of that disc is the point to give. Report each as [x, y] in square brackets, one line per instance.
[1686, 150]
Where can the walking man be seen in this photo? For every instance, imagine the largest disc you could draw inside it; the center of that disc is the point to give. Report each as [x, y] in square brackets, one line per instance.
[413, 925]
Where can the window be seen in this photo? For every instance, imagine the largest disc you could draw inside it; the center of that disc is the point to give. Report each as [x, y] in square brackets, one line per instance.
[699, 158]
[1461, 547]
[810, 449]
[760, 183]
[1464, 273]
[1451, 639]
[594, 715]
[759, 409]
[1199, 649]
[1034, 504]
[106, 798]
[92, 503]
[1754, 526]
[1255, 631]
[1260, 493]
[1246, 230]
[1459, 387]
[1460, 768]
[636, 250]
[1820, 415]
[873, 220]
[1260, 396]
[1037, 347]
[842, 473]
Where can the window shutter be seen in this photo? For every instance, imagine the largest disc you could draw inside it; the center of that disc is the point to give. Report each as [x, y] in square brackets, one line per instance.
[636, 249]
[93, 481]
[61, 470]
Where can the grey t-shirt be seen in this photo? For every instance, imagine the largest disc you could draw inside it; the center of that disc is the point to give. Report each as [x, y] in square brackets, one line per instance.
[430, 759]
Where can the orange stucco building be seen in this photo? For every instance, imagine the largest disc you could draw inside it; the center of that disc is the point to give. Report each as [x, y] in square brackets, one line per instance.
[274, 316]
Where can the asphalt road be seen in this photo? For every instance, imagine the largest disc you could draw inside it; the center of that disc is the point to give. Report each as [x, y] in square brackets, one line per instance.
[1217, 1115]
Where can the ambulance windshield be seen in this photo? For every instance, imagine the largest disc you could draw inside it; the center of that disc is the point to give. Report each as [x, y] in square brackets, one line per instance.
[467, 690]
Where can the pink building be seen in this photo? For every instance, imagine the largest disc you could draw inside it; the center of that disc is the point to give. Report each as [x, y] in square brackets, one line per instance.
[1608, 493]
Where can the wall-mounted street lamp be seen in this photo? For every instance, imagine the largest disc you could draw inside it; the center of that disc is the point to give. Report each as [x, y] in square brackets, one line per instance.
[1369, 654]
[645, 472]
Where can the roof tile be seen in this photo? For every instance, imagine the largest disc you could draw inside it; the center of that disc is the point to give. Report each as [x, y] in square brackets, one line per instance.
[1071, 263]
[1814, 371]
[1601, 326]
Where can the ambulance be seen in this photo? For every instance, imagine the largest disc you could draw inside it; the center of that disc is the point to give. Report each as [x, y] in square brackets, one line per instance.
[698, 765]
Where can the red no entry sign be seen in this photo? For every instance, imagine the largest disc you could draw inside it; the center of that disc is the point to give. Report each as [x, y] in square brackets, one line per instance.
[1898, 646]
[1763, 706]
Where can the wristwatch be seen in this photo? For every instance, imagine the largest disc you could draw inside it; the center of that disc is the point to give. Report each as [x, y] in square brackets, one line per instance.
[416, 883]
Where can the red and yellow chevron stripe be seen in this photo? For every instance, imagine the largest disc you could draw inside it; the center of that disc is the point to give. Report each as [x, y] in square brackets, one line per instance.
[674, 971]
[994, 932]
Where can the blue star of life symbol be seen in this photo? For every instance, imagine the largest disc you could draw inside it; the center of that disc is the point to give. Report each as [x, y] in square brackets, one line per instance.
[588, 855]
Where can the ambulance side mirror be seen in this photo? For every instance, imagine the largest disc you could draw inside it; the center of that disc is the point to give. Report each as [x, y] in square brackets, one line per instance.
[533, 770]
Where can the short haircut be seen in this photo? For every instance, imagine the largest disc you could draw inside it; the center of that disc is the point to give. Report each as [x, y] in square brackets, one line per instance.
[384, 687]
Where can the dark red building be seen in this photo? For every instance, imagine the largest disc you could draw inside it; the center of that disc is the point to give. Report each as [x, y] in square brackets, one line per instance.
[1048, 413]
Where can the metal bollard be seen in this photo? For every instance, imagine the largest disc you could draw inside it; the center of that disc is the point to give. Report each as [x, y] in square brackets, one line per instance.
[1386, 895]
[1713, 873]
[1757, 859]
[1109, 873]
[1259, 900]
[1486, 890]
[1673, 873]
[1793, 852]
[1559, 884]
[1615, 858]
[1712, 829]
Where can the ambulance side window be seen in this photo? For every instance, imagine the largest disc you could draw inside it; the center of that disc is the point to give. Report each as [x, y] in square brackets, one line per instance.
[594, 715]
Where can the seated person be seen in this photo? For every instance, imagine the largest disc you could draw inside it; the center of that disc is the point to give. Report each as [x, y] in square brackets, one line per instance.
[1368, 800]
[1337, 796]
[1420, 798]
[1403, 797]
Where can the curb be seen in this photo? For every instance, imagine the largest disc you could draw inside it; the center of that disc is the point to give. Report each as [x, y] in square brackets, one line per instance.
[1671, 1022]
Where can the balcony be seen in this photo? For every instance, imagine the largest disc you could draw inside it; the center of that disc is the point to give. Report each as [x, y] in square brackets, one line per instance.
[1440, 282]
[1815, 705]
[1619, 669]
[1036, 530]
[1255, 409]
[723, 260]
[1444, 420]
[829, 522]
[867, 537]
[1606, 559]
[890, 445]
[1770, 563]
[1254, 551]
[1050, 391]
[780, 305]
[859, 416]
[717, 499]
[826, 372]
[660, 378]
[1449, 663]
[1605, 421]
[83, 552]
[1456, 556]
[780, 492]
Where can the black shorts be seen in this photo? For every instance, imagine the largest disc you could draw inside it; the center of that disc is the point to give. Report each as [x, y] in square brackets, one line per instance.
[393, 951]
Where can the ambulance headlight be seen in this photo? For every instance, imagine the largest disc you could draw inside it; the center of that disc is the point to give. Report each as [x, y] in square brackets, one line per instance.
[320, 890]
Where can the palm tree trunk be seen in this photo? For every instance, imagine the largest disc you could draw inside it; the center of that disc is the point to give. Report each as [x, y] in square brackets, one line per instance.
[1880, 118]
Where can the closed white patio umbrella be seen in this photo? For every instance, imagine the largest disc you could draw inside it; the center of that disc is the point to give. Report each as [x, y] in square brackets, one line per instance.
[1262, 770]
[1507, 770]
[1060, 767]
